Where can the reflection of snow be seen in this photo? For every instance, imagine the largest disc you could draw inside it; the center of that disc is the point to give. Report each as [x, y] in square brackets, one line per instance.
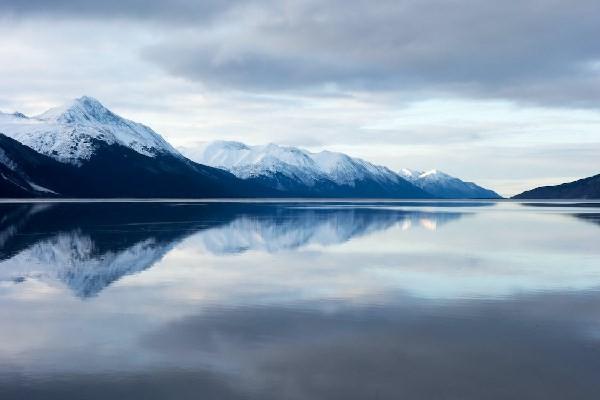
[429, 223]
[72, 258]
[310, 227]
[76, 259]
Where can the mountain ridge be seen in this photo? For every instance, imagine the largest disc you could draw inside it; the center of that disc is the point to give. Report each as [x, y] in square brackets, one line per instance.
[278, 165]
[298, 171]
[442, 185]
[585, 188]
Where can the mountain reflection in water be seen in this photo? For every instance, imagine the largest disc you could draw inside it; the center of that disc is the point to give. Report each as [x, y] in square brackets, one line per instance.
[88, 245]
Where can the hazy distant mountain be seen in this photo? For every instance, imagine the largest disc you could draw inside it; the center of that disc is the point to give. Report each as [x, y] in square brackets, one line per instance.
[298, 172]
[587, 188]
[443, 185]
[96, 153]
[295, 170]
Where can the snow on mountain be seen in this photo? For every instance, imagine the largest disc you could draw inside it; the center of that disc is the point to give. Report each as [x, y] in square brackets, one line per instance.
[69, 133]
[443, 185]
[7, 161]
[13, 180]
[345, 169]
[410, 175]
[310, 168]
[250, 161]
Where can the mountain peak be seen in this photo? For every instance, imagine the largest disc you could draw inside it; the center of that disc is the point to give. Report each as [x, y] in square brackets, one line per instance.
[89, 103]
[71, 132]
[432, 172]
[410, 174]
[82, 110]
[17, 114]
[442, 185]
[230, 144]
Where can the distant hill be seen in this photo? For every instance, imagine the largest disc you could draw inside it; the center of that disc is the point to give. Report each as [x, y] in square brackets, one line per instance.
[587, 188]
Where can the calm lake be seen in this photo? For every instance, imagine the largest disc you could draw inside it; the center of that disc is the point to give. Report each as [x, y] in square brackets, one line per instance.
[300, 300]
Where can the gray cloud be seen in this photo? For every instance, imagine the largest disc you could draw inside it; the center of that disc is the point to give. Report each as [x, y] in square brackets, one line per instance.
[173, 11]
[541, 52]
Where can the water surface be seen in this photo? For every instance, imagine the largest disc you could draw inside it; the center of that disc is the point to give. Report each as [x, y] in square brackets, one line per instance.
[296, 300]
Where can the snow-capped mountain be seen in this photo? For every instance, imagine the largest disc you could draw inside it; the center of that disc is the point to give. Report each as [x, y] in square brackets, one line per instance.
[300, 172]
[72, 132]
[310, 168]
[296, 170]
[83, 149]
[443, 185]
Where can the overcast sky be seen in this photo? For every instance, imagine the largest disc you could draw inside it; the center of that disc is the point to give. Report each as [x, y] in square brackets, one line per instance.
[503, 93]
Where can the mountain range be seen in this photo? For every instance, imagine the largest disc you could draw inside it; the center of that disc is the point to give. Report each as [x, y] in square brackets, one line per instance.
[82, 149]
[325, 174]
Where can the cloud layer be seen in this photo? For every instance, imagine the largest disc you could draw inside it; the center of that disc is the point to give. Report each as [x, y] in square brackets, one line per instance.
[543, 52]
